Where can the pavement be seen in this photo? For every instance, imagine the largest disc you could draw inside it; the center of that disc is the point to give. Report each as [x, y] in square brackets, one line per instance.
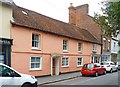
[57, 78]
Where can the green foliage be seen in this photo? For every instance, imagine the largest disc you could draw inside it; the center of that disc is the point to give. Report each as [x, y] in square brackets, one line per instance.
[110, 22]
[104, 25]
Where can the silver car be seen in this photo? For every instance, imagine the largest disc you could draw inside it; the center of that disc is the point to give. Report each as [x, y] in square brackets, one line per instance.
[109, 66]
[117, 64]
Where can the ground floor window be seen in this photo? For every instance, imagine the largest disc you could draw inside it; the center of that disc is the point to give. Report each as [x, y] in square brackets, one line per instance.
[5, 51]
[95, 59]
[79, 62]
[35, 63]
[1, 58]
[65, 62]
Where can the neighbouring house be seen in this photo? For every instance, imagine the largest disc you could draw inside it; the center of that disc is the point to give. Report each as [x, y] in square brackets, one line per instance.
[114, 48]
[5, 28]
[46, 46]
[106, 52]
[118, 58]
[79, 17]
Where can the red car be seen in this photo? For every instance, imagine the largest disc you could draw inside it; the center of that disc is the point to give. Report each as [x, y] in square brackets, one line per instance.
[92, 69]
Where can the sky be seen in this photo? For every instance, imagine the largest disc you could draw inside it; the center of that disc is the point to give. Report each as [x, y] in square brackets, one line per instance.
[58, 9]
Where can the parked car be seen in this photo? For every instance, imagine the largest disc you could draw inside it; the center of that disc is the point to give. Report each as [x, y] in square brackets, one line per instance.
[10, 77]
[109, 66]
[92, 69]
[117, 65]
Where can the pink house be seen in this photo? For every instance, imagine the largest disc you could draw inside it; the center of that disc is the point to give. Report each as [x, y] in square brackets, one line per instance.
[46, 46]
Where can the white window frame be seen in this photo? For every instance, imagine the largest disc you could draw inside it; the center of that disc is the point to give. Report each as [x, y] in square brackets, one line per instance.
[80, 61]
[95, 47]
[65, 62]
[65, 44]
[79, 50]
[38, 41]
[40, 68]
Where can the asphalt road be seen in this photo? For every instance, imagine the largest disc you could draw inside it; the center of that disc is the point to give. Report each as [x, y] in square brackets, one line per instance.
[108, 79]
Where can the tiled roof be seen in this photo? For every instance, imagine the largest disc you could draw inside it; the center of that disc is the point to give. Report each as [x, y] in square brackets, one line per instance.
[27, 18]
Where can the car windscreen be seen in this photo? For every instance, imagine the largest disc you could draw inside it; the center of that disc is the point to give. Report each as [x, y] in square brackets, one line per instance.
[88, 66]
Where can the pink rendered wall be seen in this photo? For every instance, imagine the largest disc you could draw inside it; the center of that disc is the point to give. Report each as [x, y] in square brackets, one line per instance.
[50, 44]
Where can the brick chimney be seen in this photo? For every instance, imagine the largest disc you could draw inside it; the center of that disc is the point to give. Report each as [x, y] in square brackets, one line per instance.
[72, 14]
[75, 13]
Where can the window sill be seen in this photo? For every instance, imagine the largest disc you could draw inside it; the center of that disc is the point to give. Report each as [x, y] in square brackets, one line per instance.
[65, 51]
[94, 51]
[64, 66]
[79, 65]
[80, 52]
[37, 69]
[36, 49]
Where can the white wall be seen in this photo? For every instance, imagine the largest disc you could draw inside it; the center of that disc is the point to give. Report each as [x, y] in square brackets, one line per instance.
[5, 17]
[114, 45]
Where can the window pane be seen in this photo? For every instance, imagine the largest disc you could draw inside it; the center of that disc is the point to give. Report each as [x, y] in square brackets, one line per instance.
[32, 65]
[79, 46]
[64, 44]
[32, 36]
[32, 59]
[37, 59]
[37, 65]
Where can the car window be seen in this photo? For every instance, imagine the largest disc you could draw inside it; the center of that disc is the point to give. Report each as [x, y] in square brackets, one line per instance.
[106, 63]
[111, 63]
[118, 63]
[88, 66]
[7, 72]
[97, 65]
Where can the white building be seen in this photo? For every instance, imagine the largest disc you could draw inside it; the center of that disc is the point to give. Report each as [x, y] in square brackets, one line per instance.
[114, 48]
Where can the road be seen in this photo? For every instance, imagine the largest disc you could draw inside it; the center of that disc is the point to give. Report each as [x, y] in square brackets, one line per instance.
[108, 79]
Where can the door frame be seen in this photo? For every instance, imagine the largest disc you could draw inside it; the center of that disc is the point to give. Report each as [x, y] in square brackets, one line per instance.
[57, 64]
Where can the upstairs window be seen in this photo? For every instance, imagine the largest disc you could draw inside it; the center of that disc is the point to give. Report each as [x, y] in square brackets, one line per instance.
[95, 47]
[35, 41]
[65, 45]
[79, 47]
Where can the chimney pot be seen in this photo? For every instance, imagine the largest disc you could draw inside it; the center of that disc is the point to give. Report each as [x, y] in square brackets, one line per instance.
[71, 4]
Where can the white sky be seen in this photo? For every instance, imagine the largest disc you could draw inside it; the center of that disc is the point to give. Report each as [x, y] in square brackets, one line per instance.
[57, 9]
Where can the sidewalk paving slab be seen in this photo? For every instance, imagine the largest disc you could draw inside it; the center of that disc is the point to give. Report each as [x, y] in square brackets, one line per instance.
[57, 78]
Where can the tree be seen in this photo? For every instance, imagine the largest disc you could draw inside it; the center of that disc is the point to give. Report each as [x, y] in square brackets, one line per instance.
[110, 20]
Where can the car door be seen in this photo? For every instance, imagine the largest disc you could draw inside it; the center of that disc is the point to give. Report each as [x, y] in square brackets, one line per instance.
[98, 68]
[9, 77]
[113, 66]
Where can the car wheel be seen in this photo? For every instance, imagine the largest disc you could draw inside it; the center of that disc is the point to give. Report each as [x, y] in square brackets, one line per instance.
[83, 75]
[116, 69]
[104, 72]
[111, 71]
[26, 85]
[96, 74]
